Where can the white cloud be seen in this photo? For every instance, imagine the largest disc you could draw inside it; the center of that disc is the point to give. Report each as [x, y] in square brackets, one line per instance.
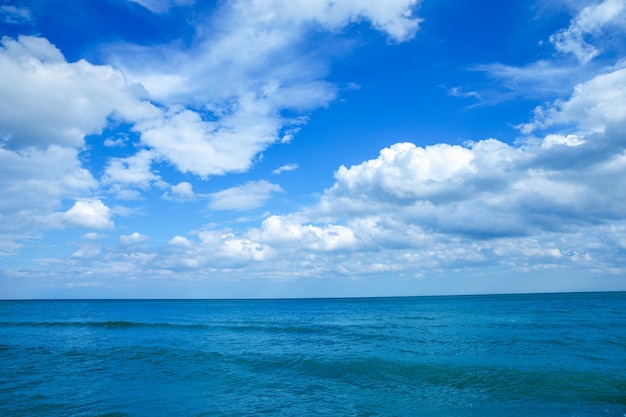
[35, 181]
[66, 100]
[406, 171]
[485, 190]
[285, 168]
[284, 231]
[593, 105]
[555, 140]
[245, 71]
[180, 241]
[134, 171]
[207, 148]
[247, 196]
[133, 238]
[589, 22]
[183, 191]
[162, 6]
[229, 248]
[93, 236]
[93, 214]
[394, 17]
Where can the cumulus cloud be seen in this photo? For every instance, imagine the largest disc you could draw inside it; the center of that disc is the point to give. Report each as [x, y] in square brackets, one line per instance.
[283, 231]
[67, 100]
[406, 171]
[92, 214]
[247, 196]
[213, 249]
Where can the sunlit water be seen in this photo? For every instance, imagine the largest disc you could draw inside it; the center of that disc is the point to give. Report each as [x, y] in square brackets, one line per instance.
[513, 355]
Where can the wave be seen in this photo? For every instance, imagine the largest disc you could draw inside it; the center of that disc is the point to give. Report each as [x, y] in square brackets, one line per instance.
[100, 324]
[121, 325]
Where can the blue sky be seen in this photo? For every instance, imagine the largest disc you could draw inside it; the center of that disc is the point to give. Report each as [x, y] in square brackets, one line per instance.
[311, 148]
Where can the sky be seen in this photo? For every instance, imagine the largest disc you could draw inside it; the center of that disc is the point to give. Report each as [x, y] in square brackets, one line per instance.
[311, 148]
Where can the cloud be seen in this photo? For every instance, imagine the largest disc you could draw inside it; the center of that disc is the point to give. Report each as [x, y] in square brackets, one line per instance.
[207, 148]
[284, 231]
[595, 29]
[244, 73]
[124, 174]
[133, 238]
[484, 190]
[247, 196]
[92, 214]
[183, 191]
[180, 241]
[36, 181]
[67, 100]
[592, 106]
[395, 17]
[538, 79]
[588, 23]
[15, 15]
[162, 6]
[405, 171]
[285, 168]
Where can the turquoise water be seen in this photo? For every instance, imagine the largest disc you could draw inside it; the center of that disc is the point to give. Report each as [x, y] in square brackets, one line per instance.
[510, 355]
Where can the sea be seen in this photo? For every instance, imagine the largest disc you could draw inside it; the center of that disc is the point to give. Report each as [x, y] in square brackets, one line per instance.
[491, 355]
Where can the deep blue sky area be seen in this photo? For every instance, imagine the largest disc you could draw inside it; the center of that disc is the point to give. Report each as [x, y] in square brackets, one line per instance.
[314, 148]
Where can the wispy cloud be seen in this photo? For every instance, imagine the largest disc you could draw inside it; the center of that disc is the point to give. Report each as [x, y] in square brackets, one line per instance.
[247, 196]
[285, 168]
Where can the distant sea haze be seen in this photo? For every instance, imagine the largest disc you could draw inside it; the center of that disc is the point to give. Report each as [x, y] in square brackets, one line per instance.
[506, 355]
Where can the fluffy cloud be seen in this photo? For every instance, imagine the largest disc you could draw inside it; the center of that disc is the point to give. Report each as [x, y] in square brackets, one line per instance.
[67, 100]
[205, 148]
[92, 214]
[134, 170]
[405, 171]
[244, 73]
[282, 231]
[250, 195]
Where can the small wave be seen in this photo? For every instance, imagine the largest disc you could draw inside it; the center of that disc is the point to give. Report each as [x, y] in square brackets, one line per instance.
[101, 324]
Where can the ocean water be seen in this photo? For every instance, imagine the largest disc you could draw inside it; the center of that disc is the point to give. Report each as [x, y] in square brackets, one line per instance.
[508, 355]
